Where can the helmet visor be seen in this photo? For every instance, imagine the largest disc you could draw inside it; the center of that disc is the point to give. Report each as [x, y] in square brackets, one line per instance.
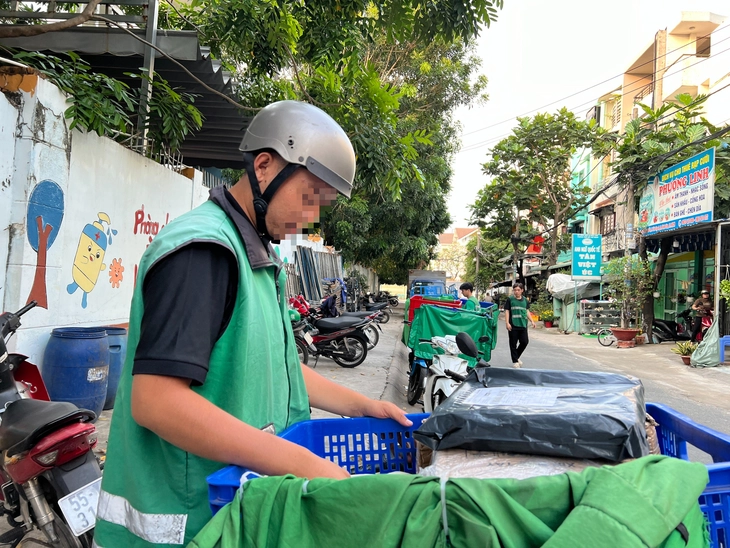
[340, 184]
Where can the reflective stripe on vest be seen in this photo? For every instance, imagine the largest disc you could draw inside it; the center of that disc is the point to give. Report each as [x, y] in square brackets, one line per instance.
[154, 528]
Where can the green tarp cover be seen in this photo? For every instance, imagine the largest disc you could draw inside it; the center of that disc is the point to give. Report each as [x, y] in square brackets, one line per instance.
[633, 505]
[436, 321]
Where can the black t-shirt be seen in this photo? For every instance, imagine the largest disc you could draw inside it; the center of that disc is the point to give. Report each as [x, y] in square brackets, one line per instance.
[196, 288]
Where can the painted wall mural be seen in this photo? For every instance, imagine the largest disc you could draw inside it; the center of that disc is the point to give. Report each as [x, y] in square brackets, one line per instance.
[116, 273]
[145, 226]
[89, 259]
[45, 214]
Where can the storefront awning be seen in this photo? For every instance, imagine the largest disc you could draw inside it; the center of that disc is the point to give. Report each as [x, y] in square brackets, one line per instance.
[683, 242]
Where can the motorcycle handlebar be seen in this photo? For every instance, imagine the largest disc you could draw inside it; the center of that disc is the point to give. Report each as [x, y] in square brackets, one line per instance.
[26, 308]
[449, 373]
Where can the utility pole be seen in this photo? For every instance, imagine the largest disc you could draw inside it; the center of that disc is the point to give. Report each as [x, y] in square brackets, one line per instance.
[479, 252]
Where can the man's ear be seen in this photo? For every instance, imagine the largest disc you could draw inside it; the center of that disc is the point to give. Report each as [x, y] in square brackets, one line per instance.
[266, 167]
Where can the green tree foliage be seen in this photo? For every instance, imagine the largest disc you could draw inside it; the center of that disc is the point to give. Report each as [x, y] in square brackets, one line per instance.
[391, 73]
[531, 179]
[659, 139]
[109, 107]
[394, 232]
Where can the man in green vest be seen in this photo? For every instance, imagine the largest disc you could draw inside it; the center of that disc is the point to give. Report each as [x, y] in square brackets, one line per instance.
[211, 357]
[516, 316]
[467, 289]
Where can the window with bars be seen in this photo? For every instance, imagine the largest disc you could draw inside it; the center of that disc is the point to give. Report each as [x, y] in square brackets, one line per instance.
[608, 223]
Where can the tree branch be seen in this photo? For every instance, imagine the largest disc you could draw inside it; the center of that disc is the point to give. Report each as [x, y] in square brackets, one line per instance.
[299, 81]
[14, 31]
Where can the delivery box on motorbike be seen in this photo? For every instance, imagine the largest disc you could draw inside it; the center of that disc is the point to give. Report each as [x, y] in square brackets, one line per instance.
[437, 321]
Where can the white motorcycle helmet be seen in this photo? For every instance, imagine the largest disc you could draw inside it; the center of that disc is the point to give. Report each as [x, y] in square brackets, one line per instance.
[305, 137]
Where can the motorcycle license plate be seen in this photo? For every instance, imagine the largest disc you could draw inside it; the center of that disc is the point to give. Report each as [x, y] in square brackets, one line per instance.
[308, 338]
[79, 508]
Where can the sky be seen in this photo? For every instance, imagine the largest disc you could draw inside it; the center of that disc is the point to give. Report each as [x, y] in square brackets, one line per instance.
[538, 52]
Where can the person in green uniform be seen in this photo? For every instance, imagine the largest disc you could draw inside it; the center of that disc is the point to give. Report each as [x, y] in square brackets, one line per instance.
[211, 359]
[516, 316]
[467, 289]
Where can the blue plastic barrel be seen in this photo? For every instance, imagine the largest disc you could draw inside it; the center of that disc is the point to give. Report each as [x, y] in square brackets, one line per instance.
[76, 366]
[117, 353]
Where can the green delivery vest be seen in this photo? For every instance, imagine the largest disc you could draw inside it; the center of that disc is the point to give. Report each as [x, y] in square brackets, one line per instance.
[153, 493]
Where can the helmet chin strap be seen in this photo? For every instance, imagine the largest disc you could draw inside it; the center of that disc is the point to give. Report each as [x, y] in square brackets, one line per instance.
[261, 201]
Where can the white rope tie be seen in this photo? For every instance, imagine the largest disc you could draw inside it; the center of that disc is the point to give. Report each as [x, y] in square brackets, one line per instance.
[444, 519]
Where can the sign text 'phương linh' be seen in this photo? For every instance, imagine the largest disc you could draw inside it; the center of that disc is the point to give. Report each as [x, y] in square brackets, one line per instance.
[680, 196]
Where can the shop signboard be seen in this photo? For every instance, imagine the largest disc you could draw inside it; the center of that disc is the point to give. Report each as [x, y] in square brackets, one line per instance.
[586, 264]
[680, 196]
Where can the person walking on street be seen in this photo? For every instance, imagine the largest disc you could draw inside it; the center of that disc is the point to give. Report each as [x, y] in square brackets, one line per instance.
[516, 316]
[467, 289]
[211, 361]
[703, 309]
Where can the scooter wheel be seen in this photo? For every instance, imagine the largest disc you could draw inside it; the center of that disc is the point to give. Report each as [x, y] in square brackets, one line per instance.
[415, 385]
[302, 350]
[385, 317]
[358, 351]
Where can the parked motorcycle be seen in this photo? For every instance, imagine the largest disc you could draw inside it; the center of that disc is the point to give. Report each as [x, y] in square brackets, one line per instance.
[445, 373]
[681, 330]
[368, 301]
[340, 339]
[382, 308]
[50, 475]
[373, 329]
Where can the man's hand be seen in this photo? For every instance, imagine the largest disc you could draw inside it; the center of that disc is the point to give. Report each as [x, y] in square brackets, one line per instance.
[534, 325]
[509, 326]
[385, 410]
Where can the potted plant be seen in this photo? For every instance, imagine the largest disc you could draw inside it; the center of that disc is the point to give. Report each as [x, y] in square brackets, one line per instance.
[630, 282]
[684, 349]
[547, 318]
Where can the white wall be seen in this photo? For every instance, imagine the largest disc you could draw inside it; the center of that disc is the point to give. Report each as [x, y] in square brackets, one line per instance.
[8, 124]
[95, 175]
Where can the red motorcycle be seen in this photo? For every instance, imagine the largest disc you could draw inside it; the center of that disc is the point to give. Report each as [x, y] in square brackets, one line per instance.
[50, 475]
[370, 322]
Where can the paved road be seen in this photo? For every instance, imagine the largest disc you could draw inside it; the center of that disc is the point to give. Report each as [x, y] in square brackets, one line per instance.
[700, 394]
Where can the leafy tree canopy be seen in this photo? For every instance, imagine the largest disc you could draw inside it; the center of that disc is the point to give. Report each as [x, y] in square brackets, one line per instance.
[531, 178]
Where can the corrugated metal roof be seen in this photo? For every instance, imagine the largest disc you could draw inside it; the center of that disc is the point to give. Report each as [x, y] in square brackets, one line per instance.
[114, 53]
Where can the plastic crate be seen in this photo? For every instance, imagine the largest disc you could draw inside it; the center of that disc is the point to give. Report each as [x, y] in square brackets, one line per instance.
[364, 445]
[674, 432]
[371, 446]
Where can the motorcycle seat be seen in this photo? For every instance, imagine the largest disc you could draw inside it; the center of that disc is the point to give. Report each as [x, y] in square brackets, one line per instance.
[375, 306]
[357, 314]
[25, 422]
[330, 325]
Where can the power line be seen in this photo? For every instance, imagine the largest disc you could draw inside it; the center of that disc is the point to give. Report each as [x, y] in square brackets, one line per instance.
[628, 90]
[596, 85]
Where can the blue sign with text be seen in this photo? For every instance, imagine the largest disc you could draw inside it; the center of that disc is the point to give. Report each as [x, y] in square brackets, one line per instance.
[586, 257]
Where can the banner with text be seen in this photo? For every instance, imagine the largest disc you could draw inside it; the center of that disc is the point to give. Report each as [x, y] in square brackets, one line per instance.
[680, 196]
[586, 263]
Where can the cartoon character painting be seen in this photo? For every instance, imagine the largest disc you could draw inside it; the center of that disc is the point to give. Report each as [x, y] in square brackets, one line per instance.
[89, 259]
[116, 273]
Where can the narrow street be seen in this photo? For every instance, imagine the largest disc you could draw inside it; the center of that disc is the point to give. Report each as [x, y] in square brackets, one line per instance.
[700, 394]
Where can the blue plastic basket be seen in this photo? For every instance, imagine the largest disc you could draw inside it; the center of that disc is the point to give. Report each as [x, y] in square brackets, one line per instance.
[363, 445]
[372, 446]
[674, 432]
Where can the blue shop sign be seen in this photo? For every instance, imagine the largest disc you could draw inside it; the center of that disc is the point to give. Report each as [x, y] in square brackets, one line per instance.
[586, 263]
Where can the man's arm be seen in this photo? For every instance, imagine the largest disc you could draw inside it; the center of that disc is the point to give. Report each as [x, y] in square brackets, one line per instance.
[169, 408]
[507, 308]
[330, 396]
